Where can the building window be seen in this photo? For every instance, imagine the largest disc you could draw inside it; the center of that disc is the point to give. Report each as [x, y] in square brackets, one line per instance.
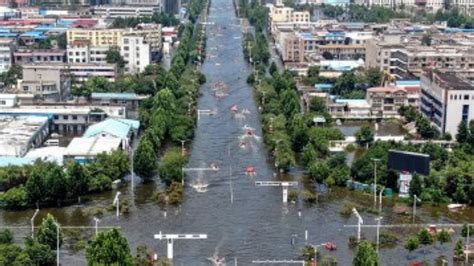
[65, 117]
[3, 102]
[465, 112]
[466, 97]
[74, 117]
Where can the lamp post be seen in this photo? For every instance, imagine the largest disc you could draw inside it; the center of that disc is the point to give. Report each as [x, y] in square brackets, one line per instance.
[182, 146]
[415, 200]
[375, 160]
[131, 166]
[117, 202]
[380, 199]
[360, 221]
[315, 247]
[57, 243]
[378, 219]
[96, 220]
[33, 223]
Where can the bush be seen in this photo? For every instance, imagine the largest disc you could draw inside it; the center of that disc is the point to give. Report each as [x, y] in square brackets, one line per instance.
[309, 196]
[100, 183]
[15, 198]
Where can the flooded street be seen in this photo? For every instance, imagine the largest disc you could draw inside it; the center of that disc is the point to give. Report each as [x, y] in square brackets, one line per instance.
[256, 225]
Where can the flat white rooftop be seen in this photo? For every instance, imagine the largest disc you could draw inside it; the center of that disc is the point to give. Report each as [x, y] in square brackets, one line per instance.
[16, 132]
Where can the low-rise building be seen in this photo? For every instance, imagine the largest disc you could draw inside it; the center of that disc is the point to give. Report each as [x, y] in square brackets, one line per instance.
[388, 100]
[39, 56]
[83, 150]
[126, 11]
[49, 82]
[20, 133]
[446, 100]
[124, 129]
[131, 101]
[8, 100]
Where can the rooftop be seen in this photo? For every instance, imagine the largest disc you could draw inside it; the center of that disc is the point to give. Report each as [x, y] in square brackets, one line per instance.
[116, 95]
[16, 133]
[447, 80]
[92, 146]
[119, 128]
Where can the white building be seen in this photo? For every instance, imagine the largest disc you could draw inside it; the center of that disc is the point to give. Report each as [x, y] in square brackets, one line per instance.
[126, 11]
[83, 52]
[136, 53]
[8, 100]
[5, 54]
[446, 100]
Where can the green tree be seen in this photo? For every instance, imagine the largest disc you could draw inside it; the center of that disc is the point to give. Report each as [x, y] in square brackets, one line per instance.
[6, 237]
[290, 102]
[15, 198]
[373, 77]
[443, 237]
[319, 171]
[299, 132]
[145, 160]
[113, 57]
[78, 178]
[47, 233]
[412, 243]
[273, 68]
[464, 230]
[463, 132]
[425, 237]
[318, 105]
[366, 255]
[170, 166]
[416, 185]
[40, 254]
[365, 135]
[109, 248]
[459, 248]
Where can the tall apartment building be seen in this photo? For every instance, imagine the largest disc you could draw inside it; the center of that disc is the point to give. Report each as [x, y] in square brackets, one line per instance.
[446, 100]
[136, 53]
[6, 46]
[96, 36]
[50, 82]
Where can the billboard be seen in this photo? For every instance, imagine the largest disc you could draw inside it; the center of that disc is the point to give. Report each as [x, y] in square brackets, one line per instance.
[404, 161]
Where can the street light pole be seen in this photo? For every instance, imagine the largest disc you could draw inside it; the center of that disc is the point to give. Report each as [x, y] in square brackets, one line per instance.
[96, 220]
[380, 200]
[117, 202]
[378, 219]
[359, 223]
[375, 160]
[33, 223]
[131, 165]
[415, 199]
[57, 243]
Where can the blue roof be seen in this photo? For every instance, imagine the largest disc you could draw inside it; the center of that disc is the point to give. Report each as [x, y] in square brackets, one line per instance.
[115, 95]
[323, 86]
[119, 128]
[34, 34]
[405, 82]
[11, 160]
[351, 101]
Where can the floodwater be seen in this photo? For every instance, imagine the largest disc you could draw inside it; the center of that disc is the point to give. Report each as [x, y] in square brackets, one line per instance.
[256, 225]
[384, 128]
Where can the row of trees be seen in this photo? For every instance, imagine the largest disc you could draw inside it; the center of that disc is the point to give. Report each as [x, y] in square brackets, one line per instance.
[106, 248]
[450, 179]
[163, 18]
[48, 183]
[169, 115]
[358, 13]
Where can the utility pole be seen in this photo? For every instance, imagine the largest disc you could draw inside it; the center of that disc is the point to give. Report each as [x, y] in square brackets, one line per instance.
[375, 160]
[131, 167]
[380, 199]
